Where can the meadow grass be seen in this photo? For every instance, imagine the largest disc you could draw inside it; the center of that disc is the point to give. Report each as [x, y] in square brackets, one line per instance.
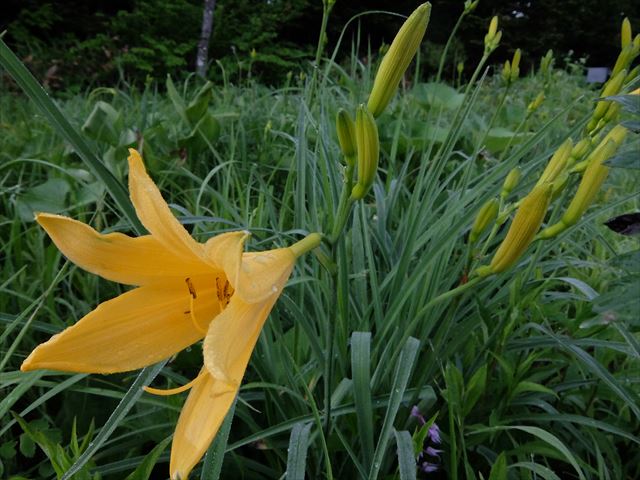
[532, 373]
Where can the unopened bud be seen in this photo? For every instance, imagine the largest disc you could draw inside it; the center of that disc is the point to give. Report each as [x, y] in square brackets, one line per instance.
[557, 163]
[515, 65]
[368, 147]
[617, 134]
[470, 6]
[632, 75]
[612, 87]
[546, 63]
[487, 214]
[612, 112]
[511, 182]
[346, 135]
[580, 149]
[535, 104]
[523, 229]
[397, 59]
[592, 180]
[625, 33]
[506, 72]
[492, 38]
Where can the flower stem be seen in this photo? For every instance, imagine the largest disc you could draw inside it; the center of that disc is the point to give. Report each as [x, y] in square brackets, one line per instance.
[309, 242]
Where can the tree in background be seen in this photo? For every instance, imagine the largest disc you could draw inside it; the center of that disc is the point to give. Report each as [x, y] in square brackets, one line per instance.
[74, 43]
[205, 36]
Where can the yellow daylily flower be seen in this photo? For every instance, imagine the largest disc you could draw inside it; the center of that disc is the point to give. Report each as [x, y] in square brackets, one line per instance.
[185, 292]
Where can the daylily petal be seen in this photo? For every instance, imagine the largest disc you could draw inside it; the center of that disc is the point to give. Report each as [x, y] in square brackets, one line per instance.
[254, 275]
[202, 414]
[263, 274]
[225, 251]
[136, 329]
[115, 256]
[154, 212]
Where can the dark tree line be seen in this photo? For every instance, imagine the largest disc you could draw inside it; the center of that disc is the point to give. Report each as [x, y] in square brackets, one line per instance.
[75, 43]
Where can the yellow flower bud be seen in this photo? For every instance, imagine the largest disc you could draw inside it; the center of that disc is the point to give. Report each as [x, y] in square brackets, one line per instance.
[487, 214]
[625, 33]
[368, 152]
[612, 112]
[346, 135]
[511, 182]
[515, 65]
[535, 104]
[253, 54]
[612, 87]
[557, 163]
[523, 229]
[617, 134]
[492, 38]
[397, 59]
[593, 177]
[460, 68]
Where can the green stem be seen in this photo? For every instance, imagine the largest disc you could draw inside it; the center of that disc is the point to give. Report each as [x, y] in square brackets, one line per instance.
[326, 10]
[344, 207]
[446, 47]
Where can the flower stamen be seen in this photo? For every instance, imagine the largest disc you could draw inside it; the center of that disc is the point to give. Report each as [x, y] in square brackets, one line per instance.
[173, 391]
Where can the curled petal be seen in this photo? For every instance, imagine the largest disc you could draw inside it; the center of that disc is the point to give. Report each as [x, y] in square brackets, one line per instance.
[136, 329]
[115, 256]
[202, 414]
[231, 337]
[155, 215]
[255, 276]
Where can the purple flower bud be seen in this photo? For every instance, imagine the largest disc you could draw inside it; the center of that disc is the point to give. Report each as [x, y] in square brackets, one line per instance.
[434, 433]
[415, 412]
[429, 467]
[433, 452]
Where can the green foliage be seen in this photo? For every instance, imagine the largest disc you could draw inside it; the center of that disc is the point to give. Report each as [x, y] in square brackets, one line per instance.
[528, 374]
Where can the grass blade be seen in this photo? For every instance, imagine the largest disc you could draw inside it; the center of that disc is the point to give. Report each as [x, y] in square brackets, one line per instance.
[28, 83]
[144, 378]
[401, 378]
[215, 455]
[360, 363]
[406, 459]
[298, 446]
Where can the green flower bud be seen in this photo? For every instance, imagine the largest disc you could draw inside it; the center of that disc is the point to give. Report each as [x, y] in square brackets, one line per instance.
[511, 182]
[535, 104]
[397, 59]
[612, 87]
[580, 149]
[470, 6]
[515, 65]
[506, 72]
[523, 229]
[368, 152]
[487, 214]
[346, 135]
[625, 33]
[492, 38]
[557, 163]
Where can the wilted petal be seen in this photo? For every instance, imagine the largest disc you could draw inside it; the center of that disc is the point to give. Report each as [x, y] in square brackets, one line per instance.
[136, 329]
[201, 416]
[115, 256]
[154, 212]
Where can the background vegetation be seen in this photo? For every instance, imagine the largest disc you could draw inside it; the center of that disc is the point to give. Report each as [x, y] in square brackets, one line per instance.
[532, 374]
[72, 43]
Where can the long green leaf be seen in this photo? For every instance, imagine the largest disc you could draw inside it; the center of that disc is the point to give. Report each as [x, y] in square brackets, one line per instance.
[128, 401]
[401, 378]
[360, 363]
[28, 83]
[298, 446]
[215, 455]
[406, 459]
